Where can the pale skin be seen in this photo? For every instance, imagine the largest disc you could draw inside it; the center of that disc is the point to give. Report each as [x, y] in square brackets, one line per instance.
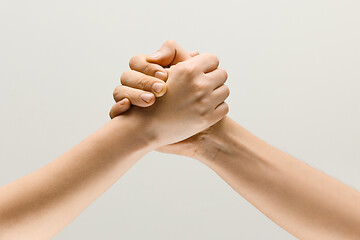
[302, 200]
[39, 205]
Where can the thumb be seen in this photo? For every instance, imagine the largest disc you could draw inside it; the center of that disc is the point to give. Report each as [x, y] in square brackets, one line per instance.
[169, 54]
[120, 108]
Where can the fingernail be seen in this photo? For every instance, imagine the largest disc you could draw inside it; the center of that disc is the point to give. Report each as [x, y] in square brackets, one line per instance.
[157, 87]
[146, 97]
[160, 75]
[155, 55]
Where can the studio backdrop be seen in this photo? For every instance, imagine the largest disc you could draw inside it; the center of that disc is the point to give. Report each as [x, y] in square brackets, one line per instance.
[293, 73]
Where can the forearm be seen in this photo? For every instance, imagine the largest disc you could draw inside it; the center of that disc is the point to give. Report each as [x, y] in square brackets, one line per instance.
[39, 205]
[302, 200]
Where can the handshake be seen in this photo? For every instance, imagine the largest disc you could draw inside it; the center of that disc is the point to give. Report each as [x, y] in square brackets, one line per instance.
[178, 107]
[190, 89]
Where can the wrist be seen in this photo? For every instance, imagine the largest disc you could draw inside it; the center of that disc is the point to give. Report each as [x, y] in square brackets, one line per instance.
[220, 140]
[136, 130]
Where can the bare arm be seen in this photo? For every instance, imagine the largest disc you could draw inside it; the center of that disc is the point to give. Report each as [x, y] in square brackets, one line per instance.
[304, 201]
[39, 205]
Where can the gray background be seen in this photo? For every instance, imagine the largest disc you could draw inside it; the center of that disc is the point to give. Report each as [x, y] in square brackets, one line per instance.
[293, 70]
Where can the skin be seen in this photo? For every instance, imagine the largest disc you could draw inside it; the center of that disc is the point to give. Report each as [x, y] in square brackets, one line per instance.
[39, 205]
[302, 200]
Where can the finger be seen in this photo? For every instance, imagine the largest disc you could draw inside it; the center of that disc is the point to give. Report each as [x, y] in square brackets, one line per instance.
[120, 108]
[169, 54]
[206, 62]
[222, 110]
[137, 97]
[219, 113]
[141, 81]
[139, 63]
[217, 77]
[220, 94]
[194, 53]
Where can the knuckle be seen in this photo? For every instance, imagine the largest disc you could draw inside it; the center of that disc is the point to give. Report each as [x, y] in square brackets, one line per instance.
[204, 102]
[202, 111]
[116, 91]
[226, 108]
[111, 114]
[215, 60]
[198, 95]
[188, 69]
[212, 58]
[170, 42]
[124, 77]
[226, 90]
[198, 86]
[147, 69]
[143, 83]
[134, 61]
[225, 74]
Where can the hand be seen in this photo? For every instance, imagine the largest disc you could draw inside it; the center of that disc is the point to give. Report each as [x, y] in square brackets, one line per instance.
[146, 79]
[146, 67]
[193, 102]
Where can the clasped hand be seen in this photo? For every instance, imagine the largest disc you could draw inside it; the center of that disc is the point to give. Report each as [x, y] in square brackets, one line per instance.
[191, 92]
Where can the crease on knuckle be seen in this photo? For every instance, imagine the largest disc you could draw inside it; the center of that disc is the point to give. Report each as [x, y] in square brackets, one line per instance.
[143, 84]
[147, 69]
